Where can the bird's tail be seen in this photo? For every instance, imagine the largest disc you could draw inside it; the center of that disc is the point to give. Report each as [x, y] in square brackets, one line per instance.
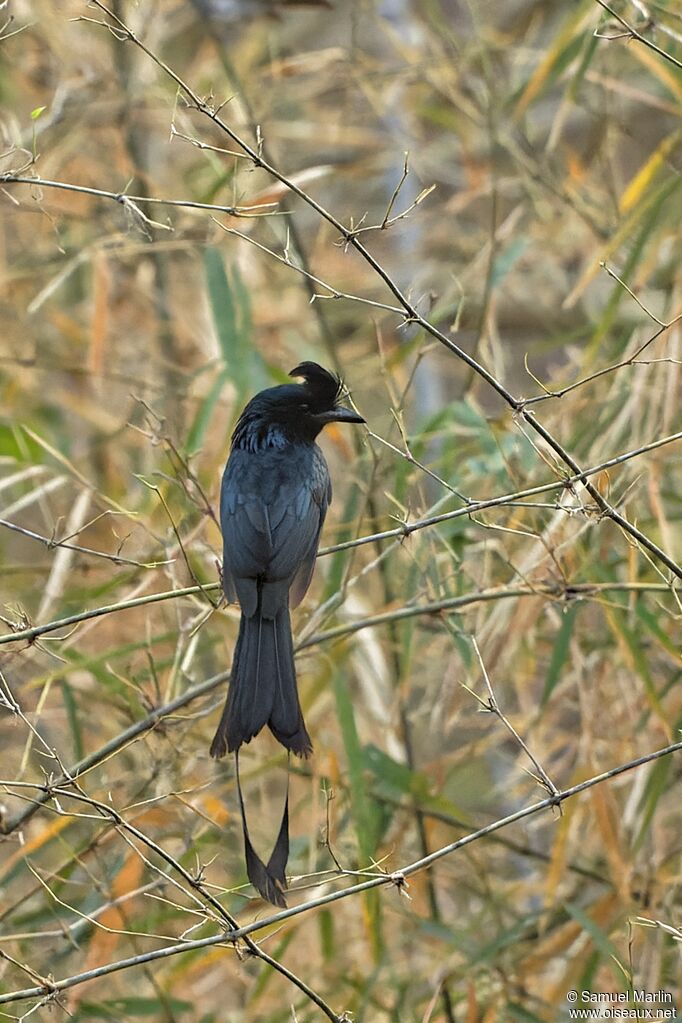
[263, 692]
[263, 688]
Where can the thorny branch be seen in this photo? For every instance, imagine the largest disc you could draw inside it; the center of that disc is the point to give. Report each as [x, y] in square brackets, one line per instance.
[52, 542]
[399, 533]
[53, 792]
[397, 878]
[632, 33]
[192, 887]
[131, 202]
[632, 360]
[450, 605]
[410, 312]
[492, 707]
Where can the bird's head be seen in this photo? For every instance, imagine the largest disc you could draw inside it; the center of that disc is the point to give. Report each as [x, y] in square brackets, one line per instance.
[293, 412]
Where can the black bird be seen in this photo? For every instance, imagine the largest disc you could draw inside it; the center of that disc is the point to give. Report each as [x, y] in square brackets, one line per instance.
[274, 498]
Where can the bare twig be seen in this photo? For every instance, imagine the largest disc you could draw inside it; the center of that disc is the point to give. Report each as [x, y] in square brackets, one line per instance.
[284, 258]
[396, 878]
[119, 742]
[449, 605]
[632, 360]
[33, 632]
[130, 202]
[51, 543]
[492, 707]
[193, 887]
[634, 34]
[410, 312]
[159, 493]
[388, 220]
[76, 927]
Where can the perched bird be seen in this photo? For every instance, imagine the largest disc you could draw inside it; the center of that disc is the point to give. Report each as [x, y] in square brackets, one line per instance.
[274, 498]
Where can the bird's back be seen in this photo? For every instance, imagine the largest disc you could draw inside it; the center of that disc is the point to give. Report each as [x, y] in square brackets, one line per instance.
[273, 504]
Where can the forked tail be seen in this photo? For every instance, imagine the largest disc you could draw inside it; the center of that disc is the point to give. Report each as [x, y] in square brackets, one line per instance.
[263, 692]
[263, 688]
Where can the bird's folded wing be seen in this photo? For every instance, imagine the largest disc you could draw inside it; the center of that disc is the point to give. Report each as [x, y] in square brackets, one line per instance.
[270, 533]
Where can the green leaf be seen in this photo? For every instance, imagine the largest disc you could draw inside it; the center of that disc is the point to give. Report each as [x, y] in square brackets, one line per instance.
[655, 788]
[364, 817]
[648, 212]
[637, 652]
[231, 310]
[72, 716]
[395, 778]
[601, 940]
[338, 561]
[505, 937]
[327, 941]
[650, 621]
[507, 258]
[222, 305]
[198, 429]
[559, 653]
[35, 114]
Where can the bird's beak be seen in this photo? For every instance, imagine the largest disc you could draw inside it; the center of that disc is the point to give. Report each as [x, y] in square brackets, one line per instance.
[339, 415]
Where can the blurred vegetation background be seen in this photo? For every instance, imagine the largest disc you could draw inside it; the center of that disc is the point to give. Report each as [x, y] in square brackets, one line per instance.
[132, 334]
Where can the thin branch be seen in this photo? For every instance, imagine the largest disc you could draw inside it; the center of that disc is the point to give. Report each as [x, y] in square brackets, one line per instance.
[85, 920]
[130, 201]
[397, 878]
[506, 500]
[176, 533]
[558, 592]
[561, 592]
[334, 293]
[518, 848]
[193, 882]
[256, 156]
[409, 457]
[388, 220]
[492, 707]
[115, 745]
[51, 543]
[632, 360]
[33, 632]
[198, 144]
[411, 314]
[605, 507]
[634, 34]
[653, 23]
[614, 276]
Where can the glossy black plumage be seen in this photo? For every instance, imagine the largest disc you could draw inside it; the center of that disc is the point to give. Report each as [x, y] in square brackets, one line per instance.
[274, 498]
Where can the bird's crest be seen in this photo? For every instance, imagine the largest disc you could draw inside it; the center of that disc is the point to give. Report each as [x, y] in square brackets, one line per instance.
[325, 388]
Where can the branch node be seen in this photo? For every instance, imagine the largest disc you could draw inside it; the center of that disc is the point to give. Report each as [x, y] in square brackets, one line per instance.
[400, 881]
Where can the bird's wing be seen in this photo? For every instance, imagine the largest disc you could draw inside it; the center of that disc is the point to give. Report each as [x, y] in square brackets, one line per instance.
[271, 516]
[296, 519]
[296, 522]
[301, 582]
[247, 541]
